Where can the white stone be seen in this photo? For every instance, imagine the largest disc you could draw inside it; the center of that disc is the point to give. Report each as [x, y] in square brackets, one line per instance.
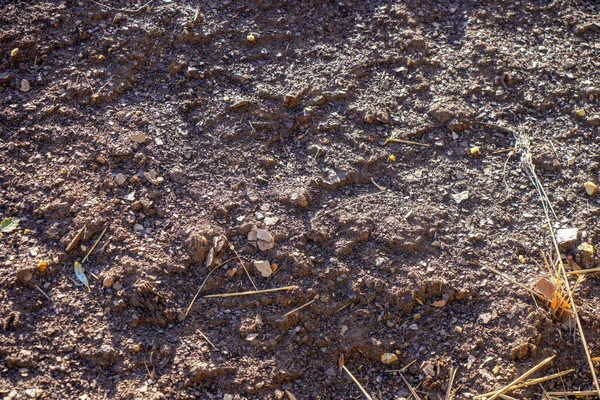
[264, 267]
[25, 85]
[566, 237]
[120, 179]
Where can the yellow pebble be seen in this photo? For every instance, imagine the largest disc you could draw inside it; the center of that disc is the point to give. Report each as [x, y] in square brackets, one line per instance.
[475, 151]
[26, 231]
[590, 188]
[100, 57]
[226, 98]
[14, 52]
[392, 158]
[43, 266]
[251, 38]
[521, 259]
[580, 113]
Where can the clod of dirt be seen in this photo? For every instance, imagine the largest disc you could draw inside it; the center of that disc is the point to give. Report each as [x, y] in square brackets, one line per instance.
[205, 370]
[566, 237]
[546, 162]
[109, 281]
[197, 247]
[176, 175]
[25, 275]
[105, 356]
[138, 138]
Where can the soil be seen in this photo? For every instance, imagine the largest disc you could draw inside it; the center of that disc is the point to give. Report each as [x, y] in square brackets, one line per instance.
[206, 135]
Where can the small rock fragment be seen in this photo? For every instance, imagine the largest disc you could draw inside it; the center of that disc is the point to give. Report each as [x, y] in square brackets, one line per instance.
[138, 227]
[566, 237]
[265, 240]
[264, 268]
[388, 358]
[585, 255]
[270, 221]
[25, 85]
[580, 113]
[138, 138]
[475, 151]
[176, 175]
[298, 199]
[460, 197]
[590, 188]
[120, 179]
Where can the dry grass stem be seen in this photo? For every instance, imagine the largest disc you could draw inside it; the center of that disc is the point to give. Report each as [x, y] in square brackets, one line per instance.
[511, 386]
[532, 382]
[232, 247]
[135, 10]
[584, 271]
[42, 292]
[299, 308]
[511, 280]
[207, 339]
[394, 140]
[410, 388]
[343, 368]
[95, 244]
[450, 383]
[504, 150]
[213, 296]
[403, 369]
[201, 286]
[579, 394]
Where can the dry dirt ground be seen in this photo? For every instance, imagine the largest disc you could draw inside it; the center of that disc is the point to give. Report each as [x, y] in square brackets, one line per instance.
[259, 128]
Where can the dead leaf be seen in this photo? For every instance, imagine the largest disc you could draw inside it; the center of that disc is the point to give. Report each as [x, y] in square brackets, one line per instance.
[546, 287]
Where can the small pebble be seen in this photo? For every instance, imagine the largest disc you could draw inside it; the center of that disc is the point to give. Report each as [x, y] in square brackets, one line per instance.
[25, 85]
[120, 179]
[590, 188]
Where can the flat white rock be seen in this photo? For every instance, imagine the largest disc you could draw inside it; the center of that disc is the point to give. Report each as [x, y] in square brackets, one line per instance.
[264, 267]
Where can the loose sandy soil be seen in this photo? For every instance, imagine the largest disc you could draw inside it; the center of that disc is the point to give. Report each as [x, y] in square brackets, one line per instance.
[179, 124]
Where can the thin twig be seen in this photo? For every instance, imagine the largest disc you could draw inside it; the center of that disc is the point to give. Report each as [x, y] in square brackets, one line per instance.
[42, 292]
[207, 339]
[299, 308]
[510, 386]
[584, 271]
[95, 244]
[410, 388]
[403, 369]
[582, 393]
[232, 247]
[201, 286]
[504, 150]
[123, 9]
[511, 280]
[394, 140]
[213, 296]
[450, 383]
[362, 389]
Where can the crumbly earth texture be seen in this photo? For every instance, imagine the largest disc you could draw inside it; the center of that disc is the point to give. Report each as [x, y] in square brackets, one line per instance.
[234, 146]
